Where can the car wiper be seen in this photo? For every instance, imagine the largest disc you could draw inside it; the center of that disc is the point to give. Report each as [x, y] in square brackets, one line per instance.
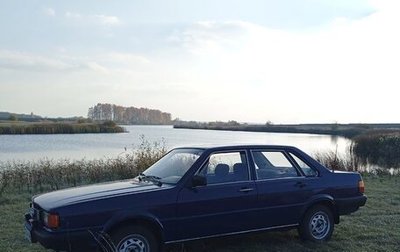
[151, 178]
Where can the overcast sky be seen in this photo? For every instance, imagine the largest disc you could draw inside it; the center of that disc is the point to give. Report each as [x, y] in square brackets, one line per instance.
[287, 61]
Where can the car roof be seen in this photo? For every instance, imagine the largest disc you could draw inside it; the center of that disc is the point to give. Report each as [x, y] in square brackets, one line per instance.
[218, 147]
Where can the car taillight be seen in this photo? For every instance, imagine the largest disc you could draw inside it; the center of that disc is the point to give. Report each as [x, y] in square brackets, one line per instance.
[361, 186]
[51, 220]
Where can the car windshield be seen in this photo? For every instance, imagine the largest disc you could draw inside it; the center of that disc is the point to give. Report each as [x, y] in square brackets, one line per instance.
[171, 167]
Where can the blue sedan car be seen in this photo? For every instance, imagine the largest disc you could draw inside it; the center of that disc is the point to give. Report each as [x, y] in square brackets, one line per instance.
[195, 193]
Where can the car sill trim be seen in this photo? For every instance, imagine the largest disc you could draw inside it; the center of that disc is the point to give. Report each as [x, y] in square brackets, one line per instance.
[232, 233]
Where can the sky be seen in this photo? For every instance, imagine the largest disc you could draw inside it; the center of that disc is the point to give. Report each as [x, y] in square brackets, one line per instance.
[287, 61]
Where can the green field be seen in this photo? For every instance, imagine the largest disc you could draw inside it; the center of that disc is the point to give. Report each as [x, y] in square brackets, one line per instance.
[375, 227]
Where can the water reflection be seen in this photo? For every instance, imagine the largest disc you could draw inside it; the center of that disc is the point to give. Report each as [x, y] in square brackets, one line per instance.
[334, 139]
[378, 170]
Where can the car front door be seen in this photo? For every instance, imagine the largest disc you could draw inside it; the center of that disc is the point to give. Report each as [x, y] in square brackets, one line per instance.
[224, 204]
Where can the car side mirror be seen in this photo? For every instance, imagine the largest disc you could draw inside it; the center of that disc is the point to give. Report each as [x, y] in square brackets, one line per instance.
[199, 180]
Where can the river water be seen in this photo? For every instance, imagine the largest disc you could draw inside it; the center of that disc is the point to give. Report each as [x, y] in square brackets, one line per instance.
[95, 146]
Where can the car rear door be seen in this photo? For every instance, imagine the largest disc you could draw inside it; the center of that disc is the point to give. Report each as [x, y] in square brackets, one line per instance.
[222, 206]
[283, 190]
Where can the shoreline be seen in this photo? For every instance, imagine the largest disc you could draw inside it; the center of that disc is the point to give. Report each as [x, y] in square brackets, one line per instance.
[344, 130]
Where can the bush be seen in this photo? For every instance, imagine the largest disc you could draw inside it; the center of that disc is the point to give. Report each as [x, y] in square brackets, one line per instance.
[48, 174]
[109, 124]
[379, 147]
[61, 128]
[334, 161]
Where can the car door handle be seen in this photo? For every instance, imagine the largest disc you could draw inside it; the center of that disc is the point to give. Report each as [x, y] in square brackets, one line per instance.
[246, 189]
[300, 184]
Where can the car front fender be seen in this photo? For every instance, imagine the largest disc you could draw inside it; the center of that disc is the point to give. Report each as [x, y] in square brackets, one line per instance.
[134, 218]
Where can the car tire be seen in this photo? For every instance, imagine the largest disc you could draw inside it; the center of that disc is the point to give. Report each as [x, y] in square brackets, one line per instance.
[135, 238]
[317, 224]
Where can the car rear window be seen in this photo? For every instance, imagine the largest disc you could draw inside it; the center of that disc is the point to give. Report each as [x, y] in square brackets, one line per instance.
[307, 170]
[273, 164]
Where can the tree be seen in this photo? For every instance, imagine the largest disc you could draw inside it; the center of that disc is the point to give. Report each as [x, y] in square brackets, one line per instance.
[128, 115]
[13, 118]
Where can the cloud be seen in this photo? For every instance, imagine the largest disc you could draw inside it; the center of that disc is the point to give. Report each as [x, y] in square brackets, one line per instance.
[107, 20]
[50, 12]
[344, 71]
[126, 58]
[97, 67]
[73, 15]
[385, 5]
[348, 65]
[105, 63]
[210, 34]
[99, 19]
[16, 60]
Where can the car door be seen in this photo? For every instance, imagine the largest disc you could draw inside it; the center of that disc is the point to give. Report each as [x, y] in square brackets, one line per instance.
[223, 205]
[283, 190]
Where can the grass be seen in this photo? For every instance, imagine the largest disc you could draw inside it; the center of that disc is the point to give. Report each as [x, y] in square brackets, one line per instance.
[375, 227]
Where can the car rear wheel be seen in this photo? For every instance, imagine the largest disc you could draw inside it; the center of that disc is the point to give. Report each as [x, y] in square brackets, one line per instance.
[317, 224]
[135, 239]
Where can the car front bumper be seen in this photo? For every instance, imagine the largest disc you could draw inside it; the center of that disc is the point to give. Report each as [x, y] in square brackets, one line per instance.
[80, 240]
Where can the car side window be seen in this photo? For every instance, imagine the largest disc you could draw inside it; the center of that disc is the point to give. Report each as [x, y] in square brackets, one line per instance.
[273, 164]
[308, 171]
[226, 167]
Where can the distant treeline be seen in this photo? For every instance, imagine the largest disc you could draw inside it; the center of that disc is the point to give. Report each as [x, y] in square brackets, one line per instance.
[346, 130]
[128, 115]
[8, 116]
[24, 117]
[58, 128]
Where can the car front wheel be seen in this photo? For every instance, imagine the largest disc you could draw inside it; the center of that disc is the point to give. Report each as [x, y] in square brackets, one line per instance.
[317, 224]
[134, 239]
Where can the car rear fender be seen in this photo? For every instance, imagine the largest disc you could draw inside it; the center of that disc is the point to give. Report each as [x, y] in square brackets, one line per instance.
[325, 200]
[142, 219]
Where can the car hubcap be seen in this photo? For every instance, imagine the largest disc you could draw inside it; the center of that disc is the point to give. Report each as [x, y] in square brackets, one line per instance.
[319, 225]
[133, 243]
